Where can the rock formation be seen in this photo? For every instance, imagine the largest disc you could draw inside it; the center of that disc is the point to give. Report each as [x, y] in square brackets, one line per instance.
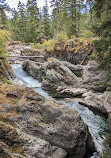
[75, 51]
[63, 78]
[31, 126]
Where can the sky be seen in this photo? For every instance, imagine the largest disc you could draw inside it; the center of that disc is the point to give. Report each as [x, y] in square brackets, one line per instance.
[14, 3]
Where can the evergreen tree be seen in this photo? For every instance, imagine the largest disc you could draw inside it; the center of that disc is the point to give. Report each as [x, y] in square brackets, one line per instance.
[4, 23]
[73, 8]
[22, 21]
[67, 15]
[103, 30]
[46, 22]
[15, 25]
[55, 15]
[41, 31]
[33, 21]
[90, 5]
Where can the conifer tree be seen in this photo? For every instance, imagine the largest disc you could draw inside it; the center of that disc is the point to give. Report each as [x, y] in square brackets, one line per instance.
[33, 20]
[46, 21]
[55, 15]
[15, 25]
[103, 30]
[41, 32]
[4, 23]
[22, 21]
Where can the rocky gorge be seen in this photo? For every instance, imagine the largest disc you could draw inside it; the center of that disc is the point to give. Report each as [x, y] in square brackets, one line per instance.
[61, 77]
[33, 126]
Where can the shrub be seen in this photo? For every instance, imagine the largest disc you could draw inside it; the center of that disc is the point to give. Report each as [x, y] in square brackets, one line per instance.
[33, 45]
[5, 80]
[88, 34]
[62, 36]
[47, 44]
[51, 43]
[4, 35]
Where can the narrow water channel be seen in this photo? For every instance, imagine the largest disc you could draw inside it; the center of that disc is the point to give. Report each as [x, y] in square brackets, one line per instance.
[96, 123]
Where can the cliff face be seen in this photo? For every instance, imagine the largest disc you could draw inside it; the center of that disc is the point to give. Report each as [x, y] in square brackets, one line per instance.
[31, 126]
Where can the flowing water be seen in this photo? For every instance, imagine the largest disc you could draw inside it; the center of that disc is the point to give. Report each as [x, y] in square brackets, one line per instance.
[96, 123]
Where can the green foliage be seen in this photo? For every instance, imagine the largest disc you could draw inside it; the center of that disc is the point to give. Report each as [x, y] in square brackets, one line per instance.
[7, 81]
[4, 35]
[4, 22]
[51, 42]
[47, 44]
[87, 34]
[33, 46]
[62, 36]
[46, 22]
[92, 57]
[78, 73]
[107, 151]
[103, 30]
[68, 18]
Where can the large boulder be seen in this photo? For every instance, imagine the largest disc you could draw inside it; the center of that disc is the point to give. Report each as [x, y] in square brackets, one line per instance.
[62, 75]
[35, 69]
[53, 73]
[94, 101]
[31, 126]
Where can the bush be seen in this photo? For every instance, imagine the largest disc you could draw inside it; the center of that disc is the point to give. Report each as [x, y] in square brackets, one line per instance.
[51, 43]
[5, 80]
[4, 35]
[47, 44]
[62, 36]
[88, 34]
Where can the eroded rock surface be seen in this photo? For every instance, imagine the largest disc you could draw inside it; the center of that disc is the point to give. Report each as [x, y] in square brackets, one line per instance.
[53, 74]
[75, 51]
[31, 126]
[63, 78]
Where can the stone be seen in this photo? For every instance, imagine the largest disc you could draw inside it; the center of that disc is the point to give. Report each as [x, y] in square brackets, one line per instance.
[95, 101]
[53, 73]
[35, 127]
[73, 92]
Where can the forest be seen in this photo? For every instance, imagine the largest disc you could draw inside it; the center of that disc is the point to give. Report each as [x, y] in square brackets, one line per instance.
[68, 19]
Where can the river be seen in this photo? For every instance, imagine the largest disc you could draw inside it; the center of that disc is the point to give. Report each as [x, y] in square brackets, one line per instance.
[96, 123]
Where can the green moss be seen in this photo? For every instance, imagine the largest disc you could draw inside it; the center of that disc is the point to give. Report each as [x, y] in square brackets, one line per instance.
[29, 53]
[92, 57]
[79, 73]
[107, 151]
[105, 84]
[7, 81]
